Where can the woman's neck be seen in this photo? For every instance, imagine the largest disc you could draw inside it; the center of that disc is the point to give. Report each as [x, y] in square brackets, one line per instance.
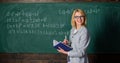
[78, 27]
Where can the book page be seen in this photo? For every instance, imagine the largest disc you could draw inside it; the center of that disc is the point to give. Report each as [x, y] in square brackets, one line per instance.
[55, 42]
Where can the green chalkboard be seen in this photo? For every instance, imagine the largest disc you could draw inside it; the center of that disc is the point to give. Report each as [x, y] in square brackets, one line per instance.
[31, 27]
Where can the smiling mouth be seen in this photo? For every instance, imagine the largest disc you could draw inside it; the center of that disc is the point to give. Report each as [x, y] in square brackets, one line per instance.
[78, 21]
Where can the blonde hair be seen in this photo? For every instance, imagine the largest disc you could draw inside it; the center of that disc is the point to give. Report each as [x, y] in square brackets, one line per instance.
[72, 19]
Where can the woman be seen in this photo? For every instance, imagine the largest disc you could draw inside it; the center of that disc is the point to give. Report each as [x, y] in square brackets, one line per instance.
[79, 39]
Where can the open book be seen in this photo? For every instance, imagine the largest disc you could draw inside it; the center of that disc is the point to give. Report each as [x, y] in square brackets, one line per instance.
[57, 44]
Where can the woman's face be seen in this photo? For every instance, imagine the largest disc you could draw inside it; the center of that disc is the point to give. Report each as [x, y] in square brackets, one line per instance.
[78, 18]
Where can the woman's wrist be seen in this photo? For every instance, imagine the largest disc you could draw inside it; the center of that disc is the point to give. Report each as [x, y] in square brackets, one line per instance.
[65, 52]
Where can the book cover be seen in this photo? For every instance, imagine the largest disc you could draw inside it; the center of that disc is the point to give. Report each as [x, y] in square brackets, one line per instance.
[57, 44]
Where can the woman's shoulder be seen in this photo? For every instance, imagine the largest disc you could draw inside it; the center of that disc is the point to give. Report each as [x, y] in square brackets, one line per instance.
[84, 29]
[73, 28]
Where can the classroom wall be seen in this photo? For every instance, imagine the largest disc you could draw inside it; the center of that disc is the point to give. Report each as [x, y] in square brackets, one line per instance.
[27, 1]
[59, 1]
[54, 58]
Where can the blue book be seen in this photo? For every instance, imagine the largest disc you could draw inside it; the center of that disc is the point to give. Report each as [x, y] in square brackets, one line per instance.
[57, 44]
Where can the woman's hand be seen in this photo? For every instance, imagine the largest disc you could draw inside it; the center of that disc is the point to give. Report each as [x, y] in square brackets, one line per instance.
[65, 41]
[62, 51]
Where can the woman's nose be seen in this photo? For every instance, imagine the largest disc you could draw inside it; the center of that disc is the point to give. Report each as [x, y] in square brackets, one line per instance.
[79, 19]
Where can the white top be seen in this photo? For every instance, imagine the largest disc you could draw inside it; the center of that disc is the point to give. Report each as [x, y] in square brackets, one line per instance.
[75, 31]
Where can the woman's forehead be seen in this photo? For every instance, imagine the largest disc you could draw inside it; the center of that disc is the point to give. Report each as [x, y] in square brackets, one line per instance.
[78, 13]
